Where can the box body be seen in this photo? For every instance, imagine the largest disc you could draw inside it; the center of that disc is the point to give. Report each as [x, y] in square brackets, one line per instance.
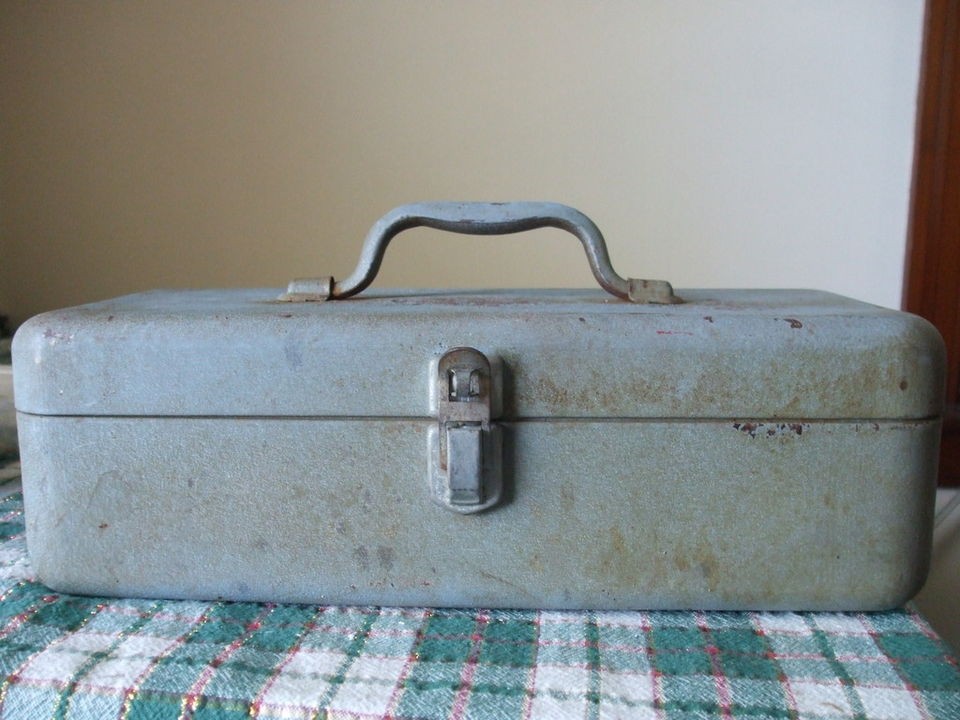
[742, 450]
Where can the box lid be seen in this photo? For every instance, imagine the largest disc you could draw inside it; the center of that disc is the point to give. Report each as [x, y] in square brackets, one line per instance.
[770, 354]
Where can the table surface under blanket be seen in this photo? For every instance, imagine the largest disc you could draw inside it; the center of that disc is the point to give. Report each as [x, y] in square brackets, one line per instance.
[64, 656]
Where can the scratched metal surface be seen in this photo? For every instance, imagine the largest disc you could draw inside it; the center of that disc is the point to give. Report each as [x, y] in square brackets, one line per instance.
[747, 449]
[566, 353]
[598, 514]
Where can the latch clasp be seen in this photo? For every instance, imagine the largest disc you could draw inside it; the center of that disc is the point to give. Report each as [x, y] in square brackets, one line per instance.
[465, 447]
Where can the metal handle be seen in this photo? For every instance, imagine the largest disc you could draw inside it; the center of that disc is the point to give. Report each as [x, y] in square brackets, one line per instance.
[480, 218]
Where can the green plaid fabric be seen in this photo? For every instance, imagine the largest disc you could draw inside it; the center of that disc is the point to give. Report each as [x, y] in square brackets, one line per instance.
[64, 656]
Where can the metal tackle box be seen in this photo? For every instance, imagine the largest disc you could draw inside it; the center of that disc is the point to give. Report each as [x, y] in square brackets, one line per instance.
[623, 447]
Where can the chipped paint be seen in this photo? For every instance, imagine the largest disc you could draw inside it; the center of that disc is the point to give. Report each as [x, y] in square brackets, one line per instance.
[771, 430]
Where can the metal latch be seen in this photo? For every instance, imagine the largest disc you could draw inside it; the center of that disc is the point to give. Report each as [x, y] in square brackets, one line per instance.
[465, 447]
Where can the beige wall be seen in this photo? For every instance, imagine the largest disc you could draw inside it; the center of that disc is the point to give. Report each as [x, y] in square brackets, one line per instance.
[148, 144]
[5, 304]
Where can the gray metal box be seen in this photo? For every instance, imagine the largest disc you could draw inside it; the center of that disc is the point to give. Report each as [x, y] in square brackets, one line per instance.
[734, 449]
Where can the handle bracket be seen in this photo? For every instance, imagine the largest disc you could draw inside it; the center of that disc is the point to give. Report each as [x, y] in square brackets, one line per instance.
[480, 218]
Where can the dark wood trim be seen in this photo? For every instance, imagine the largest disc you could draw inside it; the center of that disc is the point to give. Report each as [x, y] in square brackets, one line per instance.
[932, 268]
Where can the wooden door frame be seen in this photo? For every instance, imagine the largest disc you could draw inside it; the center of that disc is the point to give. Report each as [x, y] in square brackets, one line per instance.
[932, 264]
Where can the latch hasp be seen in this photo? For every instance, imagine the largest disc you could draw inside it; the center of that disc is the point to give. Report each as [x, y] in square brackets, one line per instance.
[465, 447]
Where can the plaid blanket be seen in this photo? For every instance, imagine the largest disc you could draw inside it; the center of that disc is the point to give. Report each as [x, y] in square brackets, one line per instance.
[64, 656]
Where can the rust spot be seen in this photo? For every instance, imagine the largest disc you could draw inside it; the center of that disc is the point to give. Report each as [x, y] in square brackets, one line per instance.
[681, 563]
[617, 563]
[904, 384]
[829, 500]
[794, 323]
[395, 430]
[616, 538]
[710, 567]
[103, 526]
[552, 393]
